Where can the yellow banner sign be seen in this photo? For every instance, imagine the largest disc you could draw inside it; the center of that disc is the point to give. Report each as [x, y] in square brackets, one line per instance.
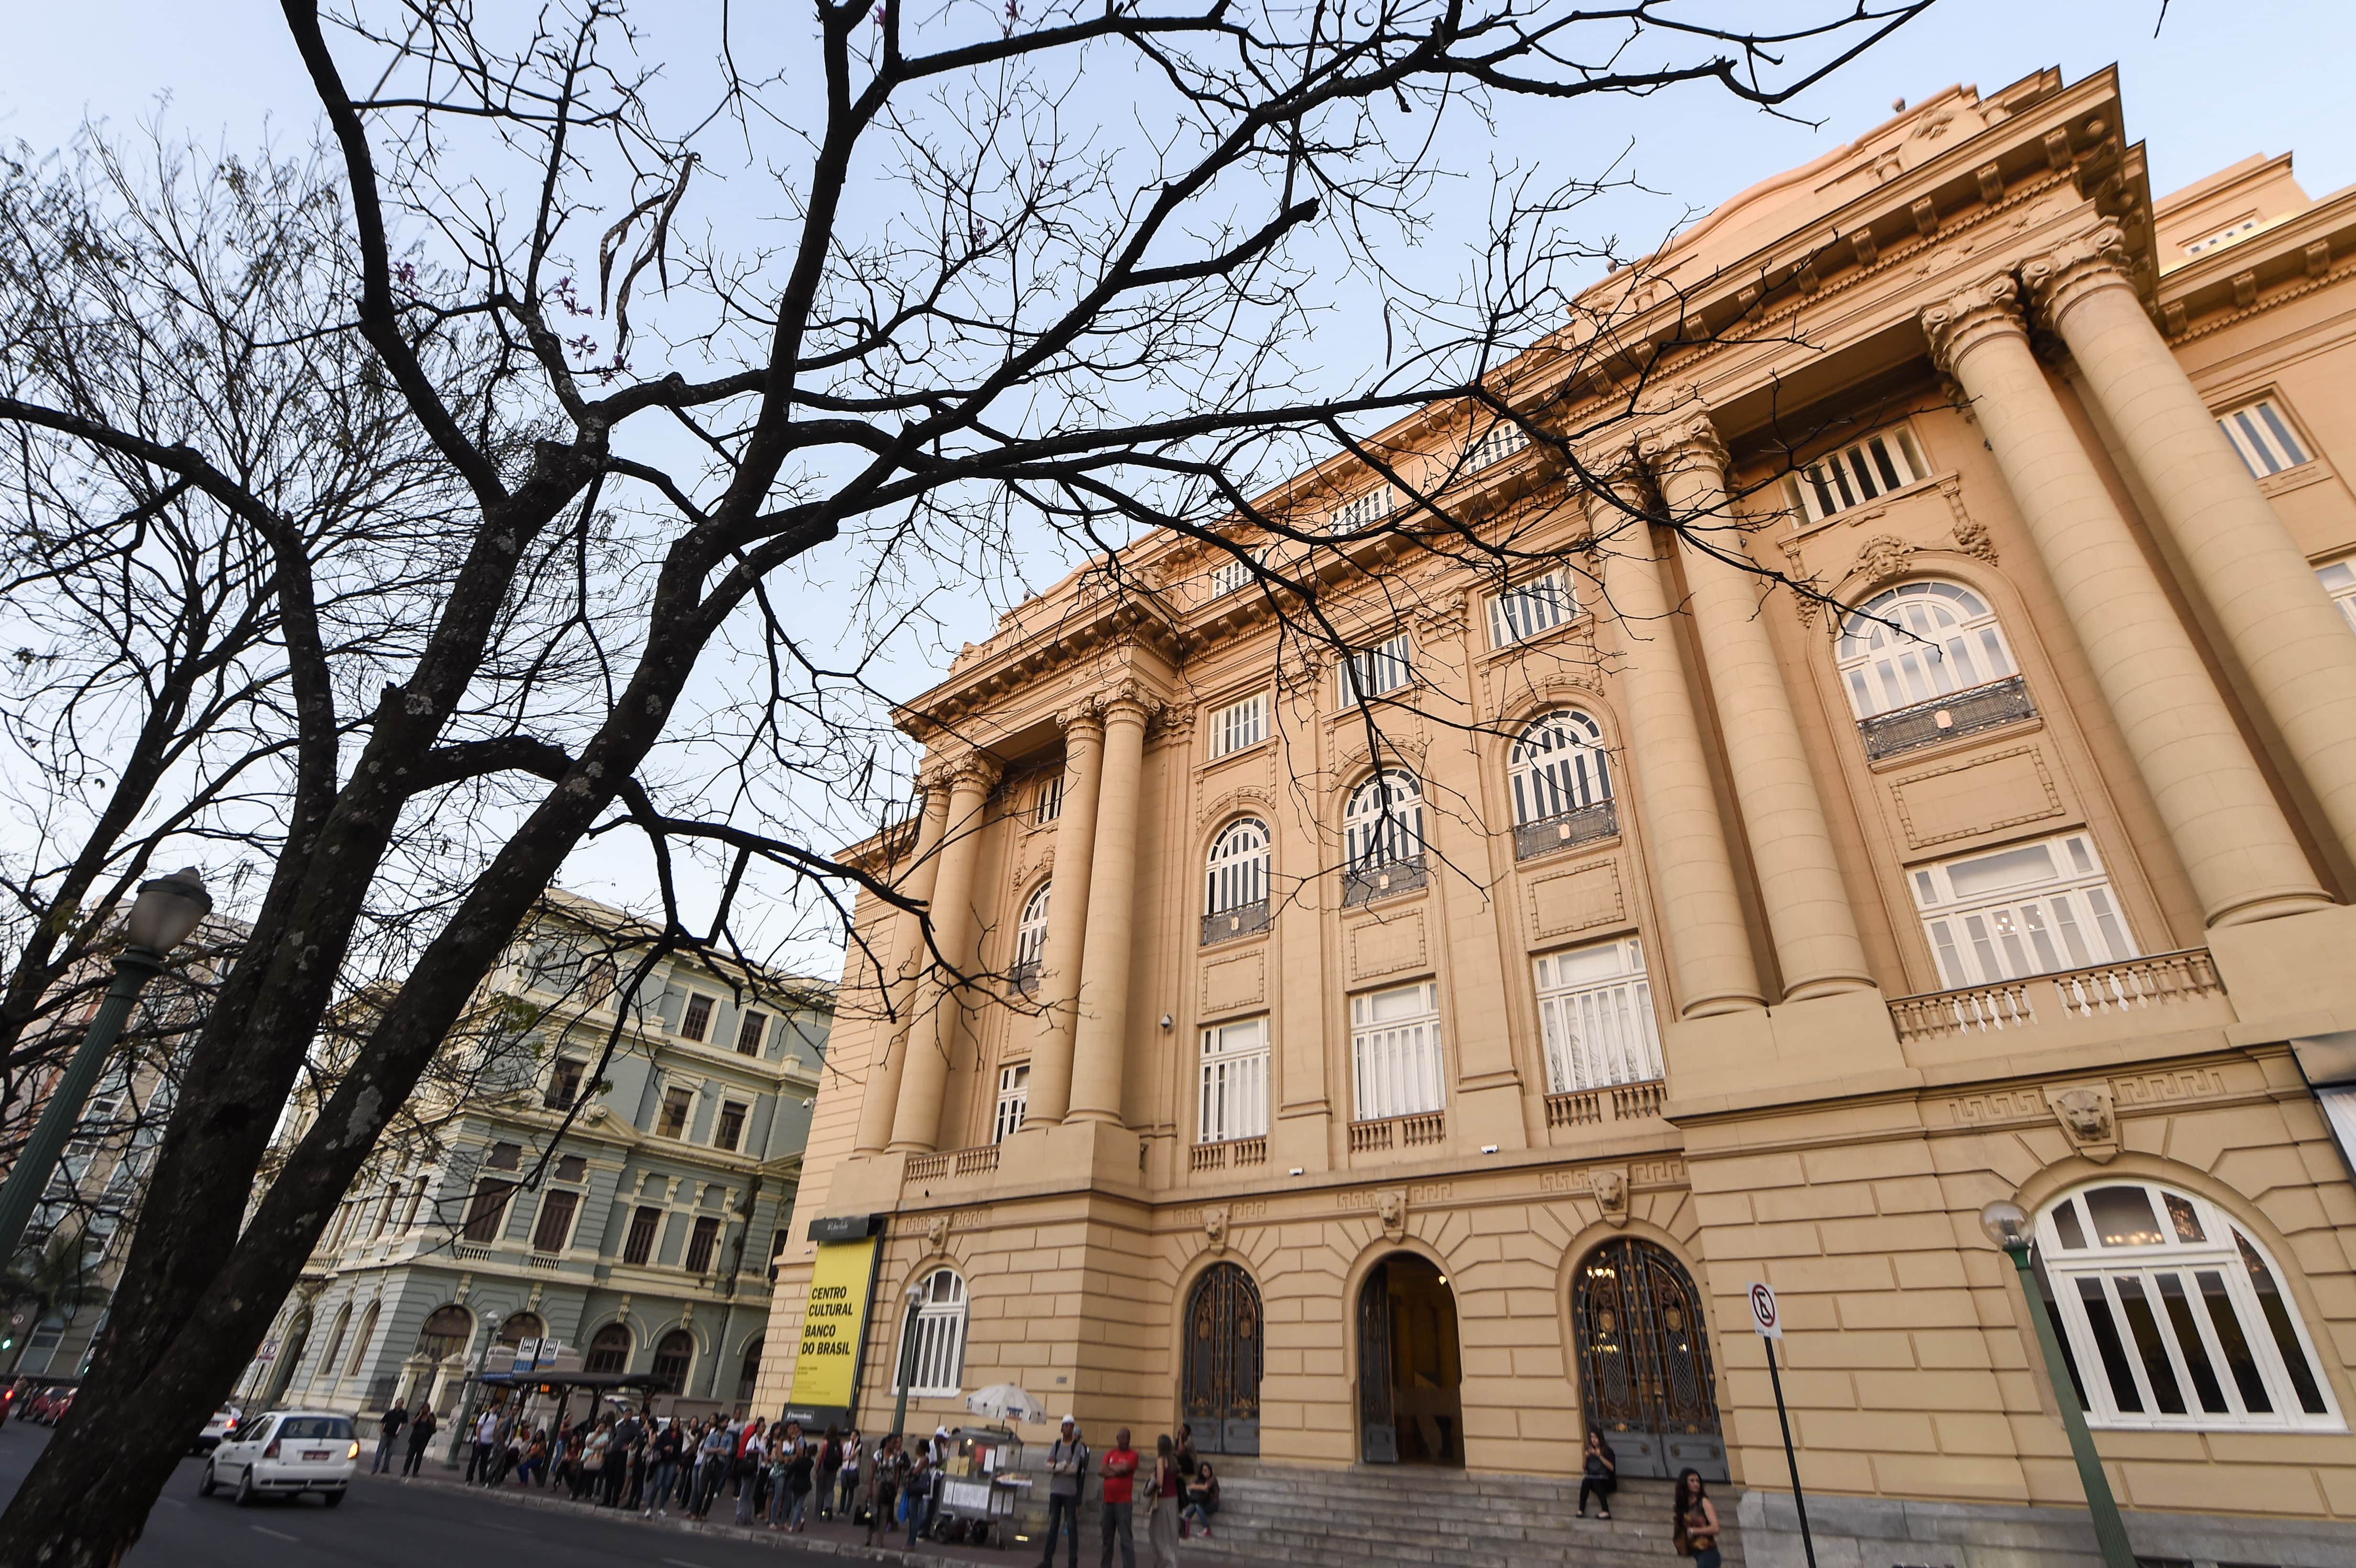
[831, 1324]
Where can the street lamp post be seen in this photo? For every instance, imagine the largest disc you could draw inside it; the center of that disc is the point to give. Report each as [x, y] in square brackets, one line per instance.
[2007, 1224]
[166, 911]
[907, 1363]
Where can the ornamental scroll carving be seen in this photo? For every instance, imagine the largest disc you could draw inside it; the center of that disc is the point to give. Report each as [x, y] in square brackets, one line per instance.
[2071, 271]
[1692, 441]
[1987, 309]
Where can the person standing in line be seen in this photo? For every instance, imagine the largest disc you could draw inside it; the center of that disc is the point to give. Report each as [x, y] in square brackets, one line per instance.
[916, 1489]
[801, 1466]
[715, 1456]
[421, 1437]
[1067, 1471]
[830, 1467]
[1119, 1468]
[885, 1487]
[1602, 1473]
[846, 1505]
[1694, 1526]
[751, 1460]
[388, 1431]
[663, 1461]
[486, 1434]
[619, 1457]
[1161, 1523]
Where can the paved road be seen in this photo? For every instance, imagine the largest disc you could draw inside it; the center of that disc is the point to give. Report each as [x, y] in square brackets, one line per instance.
[385, 1522]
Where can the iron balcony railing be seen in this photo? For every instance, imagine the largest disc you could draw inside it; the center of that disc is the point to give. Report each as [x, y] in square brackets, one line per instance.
[1244, 920]
[1371, 882]
[1948, 717]
[1582, 825]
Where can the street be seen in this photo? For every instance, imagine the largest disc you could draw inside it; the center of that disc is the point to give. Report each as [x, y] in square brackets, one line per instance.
[384, 1521]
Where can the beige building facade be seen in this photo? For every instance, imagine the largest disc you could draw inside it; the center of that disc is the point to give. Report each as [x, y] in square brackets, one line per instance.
[1411, 1057]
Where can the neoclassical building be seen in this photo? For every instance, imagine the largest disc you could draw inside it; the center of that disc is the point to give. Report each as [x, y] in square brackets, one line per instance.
[1411, 1057]
[632, 1216]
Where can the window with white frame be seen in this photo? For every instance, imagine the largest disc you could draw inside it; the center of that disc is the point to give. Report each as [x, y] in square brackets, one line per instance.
[1919, 642]
[1031, 937]
[1384, 821]
[2032, 908]
[1558, 765]
[1234, 1102]
[935, 1330]
[1371, 507]
[1886, 461]
[1371, 672]
[2263, 437]
[1524, 610]
[2339, 580]
[1595, 1016]
[1239, 724]
[2241, 229]
[1237, 874]
[2173, 1316]
[1014, 1101]
[1500, 441]
[1228, 577]
[1049, 803]
[1395, 1057]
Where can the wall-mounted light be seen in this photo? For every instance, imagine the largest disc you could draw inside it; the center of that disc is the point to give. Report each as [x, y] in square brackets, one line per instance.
[1167, 1021]
[1296, 1170]
[1488, 1149]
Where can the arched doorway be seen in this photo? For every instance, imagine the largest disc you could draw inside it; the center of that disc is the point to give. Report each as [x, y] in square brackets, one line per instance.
[673, 1354]
[748, 1376]
[1410, 1372]
[1644, 1374]
[1223, 1356]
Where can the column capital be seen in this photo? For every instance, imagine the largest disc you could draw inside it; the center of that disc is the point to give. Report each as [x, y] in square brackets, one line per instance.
[1131, 694]
[1086, 714]
[974, 770]
[1687, 442]
[2076, 268]
[1987, 310]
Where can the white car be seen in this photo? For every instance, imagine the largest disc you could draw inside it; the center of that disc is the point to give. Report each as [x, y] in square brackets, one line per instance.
[219, 1427]
[286, 1454]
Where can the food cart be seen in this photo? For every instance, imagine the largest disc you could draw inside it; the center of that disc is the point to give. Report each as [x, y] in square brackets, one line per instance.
[979, 1486]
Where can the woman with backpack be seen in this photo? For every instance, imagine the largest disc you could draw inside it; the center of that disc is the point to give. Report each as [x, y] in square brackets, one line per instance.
[886, 1485]
[830, 1467]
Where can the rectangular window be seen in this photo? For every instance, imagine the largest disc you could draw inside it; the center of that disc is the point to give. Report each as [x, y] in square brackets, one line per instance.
[1234, 1102]
[731, 1130]
[2241, 229]
[1855, 475]
[1524, 610]
[1502, 440]
[384, 1210]
[487, 1209]
[2263, 437]
[748, 1033]
[1227, 577]
[563, 1084]
[1014, 1101]
[1239, 724]
[416, 1201]
[503, 1157]
[1395, 1056]
[646, 1224]
[702, 1243]
[2032, 909]
[1595, 1015]
[554, 1226]
[1371, 672]
[671, 1123]
[697, 1023]
[572, 1167]
[1369, 508]
[2339, 580]
[1051, 800]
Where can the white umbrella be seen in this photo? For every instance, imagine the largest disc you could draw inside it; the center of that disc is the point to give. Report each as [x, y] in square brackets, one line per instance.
[1005, 1401]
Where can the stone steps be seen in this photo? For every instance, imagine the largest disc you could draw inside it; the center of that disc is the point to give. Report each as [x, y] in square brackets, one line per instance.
[1407, 1517]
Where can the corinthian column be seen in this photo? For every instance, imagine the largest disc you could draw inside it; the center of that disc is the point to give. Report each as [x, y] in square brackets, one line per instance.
[2282, 625]
[925, 1071]
[902, 960]
[1700, 916]
[1068, 916]
[1101, 1035]
[1808, 906]
[2234, 842]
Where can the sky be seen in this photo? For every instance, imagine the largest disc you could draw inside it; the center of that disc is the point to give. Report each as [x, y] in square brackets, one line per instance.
[2216, 84]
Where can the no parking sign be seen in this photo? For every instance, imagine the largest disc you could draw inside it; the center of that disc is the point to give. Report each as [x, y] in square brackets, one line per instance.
[1764, 1317]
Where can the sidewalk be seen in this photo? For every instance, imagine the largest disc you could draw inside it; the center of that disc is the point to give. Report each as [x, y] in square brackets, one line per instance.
[834, 1540]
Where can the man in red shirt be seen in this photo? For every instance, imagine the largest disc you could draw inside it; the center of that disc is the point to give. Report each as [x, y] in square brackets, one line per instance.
[1119, 1470]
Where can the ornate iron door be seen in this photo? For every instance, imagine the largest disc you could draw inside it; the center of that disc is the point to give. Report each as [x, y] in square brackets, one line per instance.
[1378, 1419]
[1643, 1361]
[1224, 1357]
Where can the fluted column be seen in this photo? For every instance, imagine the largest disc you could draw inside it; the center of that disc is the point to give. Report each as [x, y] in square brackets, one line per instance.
[2283, 626]
[902, 961]
[2232, 838]
[924, 1070]
[1808, 912]
[1100, 1037]
[1068, 916]
[1700, 916]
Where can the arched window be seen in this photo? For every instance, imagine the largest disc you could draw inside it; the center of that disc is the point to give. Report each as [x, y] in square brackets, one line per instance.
[609, 1350]
[1236, 875]
[361, 1340]
[1031, 939]
[335, 1341]
[674, 1352]
[2172, 1316]
[1557, 766]
[446, 1332]
[1384, 823]
[517, 1327]
[750, 1372]
[1919, 642]
[936, 1336]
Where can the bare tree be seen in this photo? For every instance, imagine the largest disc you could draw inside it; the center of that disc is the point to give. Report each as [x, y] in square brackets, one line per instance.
[1011, 272]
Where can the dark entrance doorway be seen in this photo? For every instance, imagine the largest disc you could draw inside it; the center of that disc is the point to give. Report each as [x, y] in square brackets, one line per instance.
[1225, 1353]
[1410, 1405]
[1644, 1371]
